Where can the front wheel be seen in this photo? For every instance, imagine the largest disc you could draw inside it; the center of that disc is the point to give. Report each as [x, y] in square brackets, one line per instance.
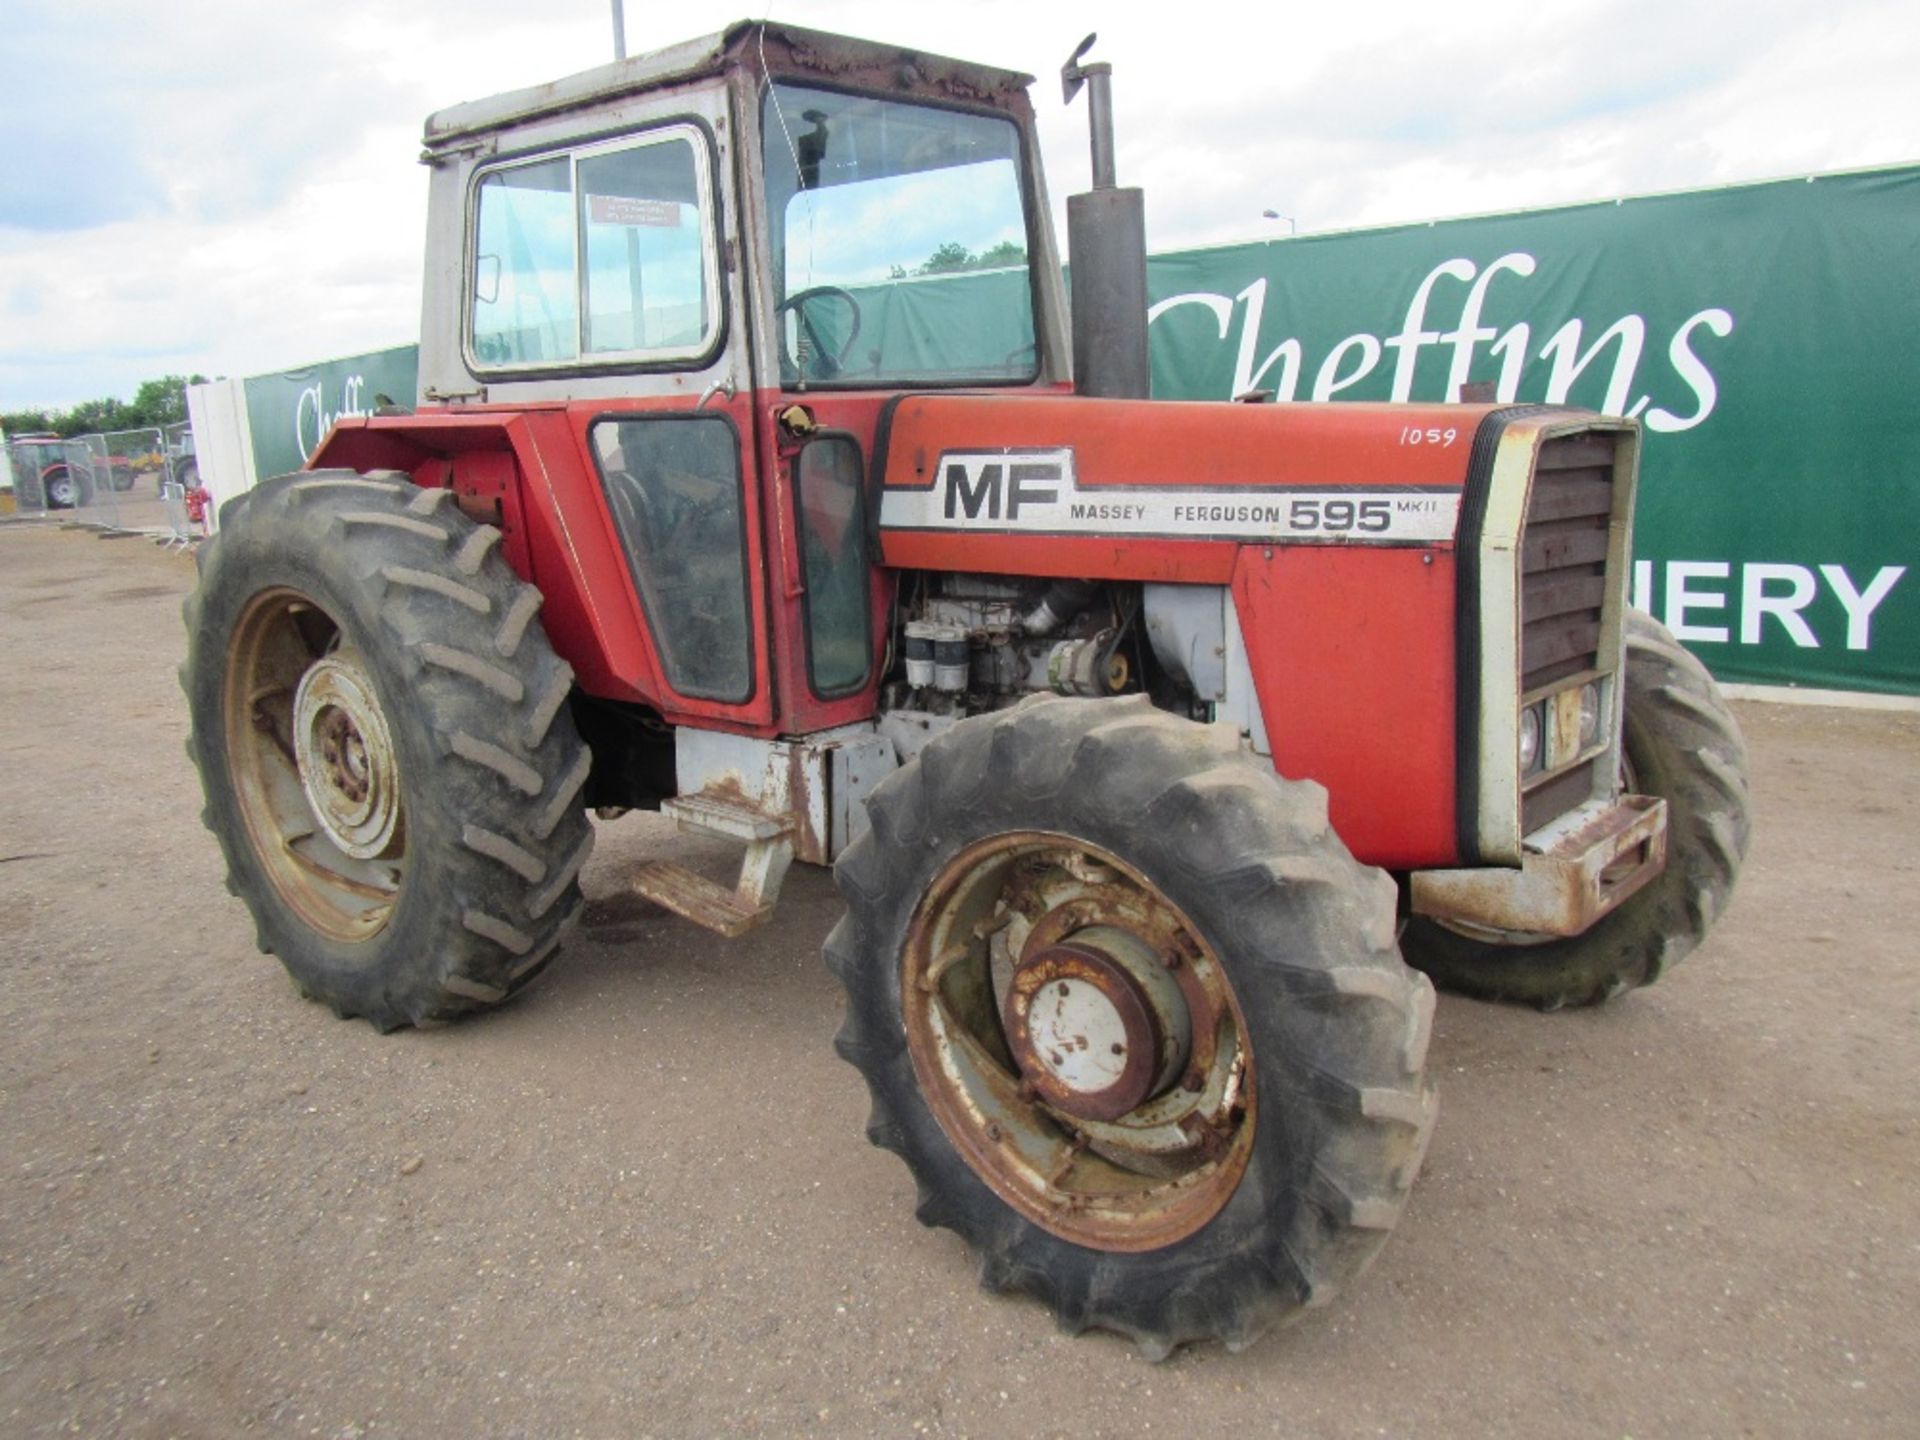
[1134, 1019]
[383, 736]
[1682, 744]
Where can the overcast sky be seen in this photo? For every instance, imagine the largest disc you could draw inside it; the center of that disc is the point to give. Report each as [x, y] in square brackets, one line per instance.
[232, 187]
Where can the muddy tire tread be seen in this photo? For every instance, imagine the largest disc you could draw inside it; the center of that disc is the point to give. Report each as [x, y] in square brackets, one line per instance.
[1345, 1026]
[495, 805]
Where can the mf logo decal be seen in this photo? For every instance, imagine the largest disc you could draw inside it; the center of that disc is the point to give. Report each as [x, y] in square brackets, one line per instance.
[1037, 492]
[997, 484]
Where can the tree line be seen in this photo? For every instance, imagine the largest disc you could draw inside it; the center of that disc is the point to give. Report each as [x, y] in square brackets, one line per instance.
[159, 403]
[953, 258]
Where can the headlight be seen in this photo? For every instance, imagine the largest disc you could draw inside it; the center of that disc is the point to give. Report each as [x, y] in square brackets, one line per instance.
[1589, 714]
[1529, 738]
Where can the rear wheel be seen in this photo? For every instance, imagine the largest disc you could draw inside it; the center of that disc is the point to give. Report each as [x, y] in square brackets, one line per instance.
[1682, 744]
[1134, 1019]
[61, 488]
[383, 736]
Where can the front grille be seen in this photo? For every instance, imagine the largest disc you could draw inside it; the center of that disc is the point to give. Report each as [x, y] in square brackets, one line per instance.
[1550, 799]
[1563, 559]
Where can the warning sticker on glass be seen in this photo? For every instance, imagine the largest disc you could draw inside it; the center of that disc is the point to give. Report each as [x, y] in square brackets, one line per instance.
[632, 210]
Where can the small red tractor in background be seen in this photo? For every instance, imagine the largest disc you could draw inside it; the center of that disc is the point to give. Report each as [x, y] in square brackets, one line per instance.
[53, 473]
[753, 480]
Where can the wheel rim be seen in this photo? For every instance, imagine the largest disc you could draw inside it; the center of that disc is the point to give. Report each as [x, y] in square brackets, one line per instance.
[62, 491]
[1078, 1041]
[344, 753]
[314, 768]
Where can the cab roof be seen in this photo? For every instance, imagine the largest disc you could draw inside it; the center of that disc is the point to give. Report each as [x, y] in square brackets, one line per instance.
[784, 50]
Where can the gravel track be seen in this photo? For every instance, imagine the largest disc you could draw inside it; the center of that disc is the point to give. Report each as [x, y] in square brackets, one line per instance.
[638, 1200]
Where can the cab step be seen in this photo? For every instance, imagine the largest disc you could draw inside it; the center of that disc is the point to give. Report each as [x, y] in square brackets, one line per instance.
[721, 815]
[709, 904]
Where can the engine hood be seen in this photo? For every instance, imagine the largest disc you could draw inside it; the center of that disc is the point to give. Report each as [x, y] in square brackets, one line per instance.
[1150, 485]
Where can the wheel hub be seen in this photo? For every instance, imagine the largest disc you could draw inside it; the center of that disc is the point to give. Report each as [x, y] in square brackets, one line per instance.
[1096, 1024]
[1126, 1150]
[344, 753]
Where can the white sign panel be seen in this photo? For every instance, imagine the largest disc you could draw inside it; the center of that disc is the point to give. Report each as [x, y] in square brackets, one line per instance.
[1037, 492]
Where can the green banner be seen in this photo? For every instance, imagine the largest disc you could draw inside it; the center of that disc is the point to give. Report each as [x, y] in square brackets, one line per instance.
[289, 413]
[1763, 335]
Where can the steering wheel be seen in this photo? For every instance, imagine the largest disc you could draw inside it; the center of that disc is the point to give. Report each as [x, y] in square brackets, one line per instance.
[828, 365]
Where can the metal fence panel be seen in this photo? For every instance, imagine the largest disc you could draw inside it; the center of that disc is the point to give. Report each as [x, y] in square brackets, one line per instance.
[96, 490]
[130, 466]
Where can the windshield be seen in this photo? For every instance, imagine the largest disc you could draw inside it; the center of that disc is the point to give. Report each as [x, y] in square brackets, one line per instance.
[899, 241]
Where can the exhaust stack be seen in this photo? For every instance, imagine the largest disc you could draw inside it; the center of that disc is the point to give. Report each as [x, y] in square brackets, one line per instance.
[1107, 255]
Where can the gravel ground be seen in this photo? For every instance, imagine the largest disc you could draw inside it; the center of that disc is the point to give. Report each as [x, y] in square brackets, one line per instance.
[638, 1202]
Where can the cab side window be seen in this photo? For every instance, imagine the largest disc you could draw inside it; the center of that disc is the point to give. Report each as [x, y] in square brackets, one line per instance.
[601, 254]
[673, 485]
[833, 557]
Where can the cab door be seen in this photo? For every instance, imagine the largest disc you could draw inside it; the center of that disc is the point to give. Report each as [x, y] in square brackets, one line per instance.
[602, 278]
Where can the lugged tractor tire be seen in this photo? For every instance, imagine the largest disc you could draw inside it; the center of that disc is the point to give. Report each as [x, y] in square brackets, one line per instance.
[1335, 1024]
[1683, 745]
[348, 605]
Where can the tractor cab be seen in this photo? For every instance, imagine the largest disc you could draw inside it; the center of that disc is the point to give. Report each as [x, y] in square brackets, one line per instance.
[768, 209]
[704, 273]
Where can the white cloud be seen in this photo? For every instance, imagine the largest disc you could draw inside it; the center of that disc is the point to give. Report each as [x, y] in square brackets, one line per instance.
[235, 190]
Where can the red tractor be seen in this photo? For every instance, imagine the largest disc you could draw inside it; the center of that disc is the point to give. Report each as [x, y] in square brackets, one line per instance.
[53, 473]
[754, 481]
